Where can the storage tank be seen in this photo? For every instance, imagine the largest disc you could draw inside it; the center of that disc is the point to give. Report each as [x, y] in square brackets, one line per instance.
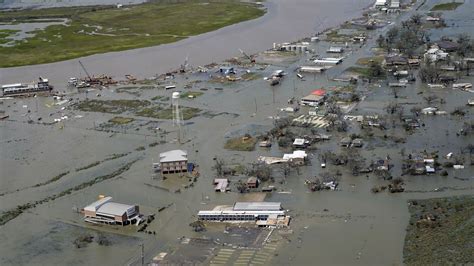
[175, 95]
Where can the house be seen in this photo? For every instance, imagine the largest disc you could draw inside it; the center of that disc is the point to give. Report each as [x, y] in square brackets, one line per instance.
[221, 184]
[380, 3]
[429, 110]
[321, 137]
[358, 39]
[312, 69]
[462, 86]
[433, 19]
[419, 168]
[265, 144]
[395, 4]
[447, 46]
[278, 73]
[252, 182]
[400, 73]
[346, 142]
[173, 162]
[312, 100]
[335, 50]
[227, 70]
[108, 212]
[435, 54]
[297, 157]
[395, 60]
[357, 142]
[411, 122]
[447, 79]
[371, 122]
[382, 165]
[300, 143]
[399, 84]
[413, 61]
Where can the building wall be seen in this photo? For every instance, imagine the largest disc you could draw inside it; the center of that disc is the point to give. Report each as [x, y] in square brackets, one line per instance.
[89, 213]
[232, 217]
[174, 167]
[121, 218]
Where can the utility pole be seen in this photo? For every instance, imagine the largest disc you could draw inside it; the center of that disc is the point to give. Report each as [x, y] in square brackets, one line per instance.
[255, 105]
[142, 253]
[273, 94]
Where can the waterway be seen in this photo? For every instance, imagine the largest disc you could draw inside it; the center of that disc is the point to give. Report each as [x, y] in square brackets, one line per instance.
[284, 21]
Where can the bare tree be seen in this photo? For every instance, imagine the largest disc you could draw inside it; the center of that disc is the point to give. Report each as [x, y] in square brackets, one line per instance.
[430, 99]
[393, 108]
[285, 169]
[219, 166]
[262, 171]
[429, 73]
[415, 110]
[465, 45]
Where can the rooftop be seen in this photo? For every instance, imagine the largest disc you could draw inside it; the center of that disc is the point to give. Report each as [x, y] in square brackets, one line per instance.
[312, 97]
[173, 156]
[96, 205]
[113, 208]
[257, 206]
[105, 206]
[295, 155]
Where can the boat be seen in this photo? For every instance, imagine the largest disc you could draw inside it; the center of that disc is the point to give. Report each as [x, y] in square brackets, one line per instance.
[17, 89]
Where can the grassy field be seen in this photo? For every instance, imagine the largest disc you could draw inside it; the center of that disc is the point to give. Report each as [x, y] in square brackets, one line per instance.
[440, 232]
[119, 120]
[446, 6]
[110, 106]
[100, 29]
[159, 112]
[4, 34]
[241, 144]
[365, 61]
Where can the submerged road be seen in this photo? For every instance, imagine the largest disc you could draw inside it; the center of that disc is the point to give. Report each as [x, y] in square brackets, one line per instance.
[286, 20]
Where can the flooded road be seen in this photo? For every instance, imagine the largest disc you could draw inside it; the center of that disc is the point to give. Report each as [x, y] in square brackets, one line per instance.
[285, 21]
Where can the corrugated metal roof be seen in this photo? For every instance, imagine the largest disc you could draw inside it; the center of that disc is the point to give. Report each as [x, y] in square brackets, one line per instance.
[112, 208]
[257, 206]
[96, 205]
[173, 156]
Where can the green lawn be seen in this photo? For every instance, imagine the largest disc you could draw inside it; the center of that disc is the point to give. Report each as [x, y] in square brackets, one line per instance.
[446, 6]
[93, 30]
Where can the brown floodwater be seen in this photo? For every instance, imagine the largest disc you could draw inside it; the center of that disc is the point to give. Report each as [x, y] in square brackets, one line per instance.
[285, 21]
[349, 226]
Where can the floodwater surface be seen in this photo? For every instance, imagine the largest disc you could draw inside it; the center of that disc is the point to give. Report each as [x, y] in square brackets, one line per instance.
[284, 21]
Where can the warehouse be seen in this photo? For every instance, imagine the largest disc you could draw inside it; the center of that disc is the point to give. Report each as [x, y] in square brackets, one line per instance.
[108, 212]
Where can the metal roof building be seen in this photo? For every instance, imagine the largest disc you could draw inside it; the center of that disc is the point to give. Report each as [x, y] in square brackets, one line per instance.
[245, 212]
[173, 156]
[106, 211]
[257, 206]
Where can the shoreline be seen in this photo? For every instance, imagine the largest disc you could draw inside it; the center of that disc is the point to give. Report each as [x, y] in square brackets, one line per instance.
[150, 61]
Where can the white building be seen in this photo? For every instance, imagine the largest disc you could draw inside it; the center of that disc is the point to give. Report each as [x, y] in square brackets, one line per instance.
[175, 161]
[262, 213]
[380, 3]
[435, 54]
